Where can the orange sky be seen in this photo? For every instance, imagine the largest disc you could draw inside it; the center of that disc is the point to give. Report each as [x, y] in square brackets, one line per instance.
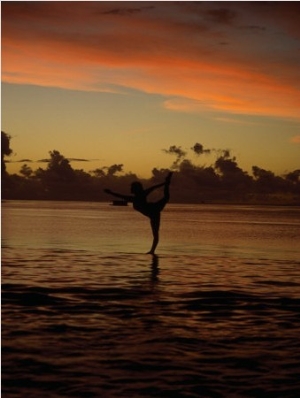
[231, 61]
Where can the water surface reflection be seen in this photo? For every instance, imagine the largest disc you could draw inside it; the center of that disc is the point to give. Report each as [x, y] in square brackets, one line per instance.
[86, 313]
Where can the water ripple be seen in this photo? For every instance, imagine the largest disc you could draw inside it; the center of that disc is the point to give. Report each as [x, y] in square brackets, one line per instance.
[137, 336]
[217, 314]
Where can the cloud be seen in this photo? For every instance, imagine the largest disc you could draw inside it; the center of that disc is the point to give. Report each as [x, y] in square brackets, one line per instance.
[122, 11]
[184, 105]
[78, 160]
[175, 150]
[199, 149]
[69, 159]
[235, 120]
[221, 15]
[48, 160]
[20, 161]
[255, 27]
[126, 11]
[172, 49]
[295, 139]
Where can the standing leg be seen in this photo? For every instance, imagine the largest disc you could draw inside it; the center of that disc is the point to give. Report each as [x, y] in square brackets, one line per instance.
[155, 223]
[155, 213]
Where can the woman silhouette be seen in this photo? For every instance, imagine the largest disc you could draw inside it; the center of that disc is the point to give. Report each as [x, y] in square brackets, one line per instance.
[148, 209]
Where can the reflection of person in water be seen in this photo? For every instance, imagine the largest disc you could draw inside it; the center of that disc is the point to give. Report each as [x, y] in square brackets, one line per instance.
[148, 209]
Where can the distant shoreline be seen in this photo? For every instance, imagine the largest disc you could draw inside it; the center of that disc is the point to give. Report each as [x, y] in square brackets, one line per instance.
[225, 203]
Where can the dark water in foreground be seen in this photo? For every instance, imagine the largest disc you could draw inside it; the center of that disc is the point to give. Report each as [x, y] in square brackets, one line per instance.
[86, 314]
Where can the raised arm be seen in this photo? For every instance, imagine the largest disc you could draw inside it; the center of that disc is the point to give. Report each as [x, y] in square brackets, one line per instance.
[128, 198]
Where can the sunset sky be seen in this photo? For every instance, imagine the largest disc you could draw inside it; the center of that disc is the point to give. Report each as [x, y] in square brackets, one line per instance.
[118, 82]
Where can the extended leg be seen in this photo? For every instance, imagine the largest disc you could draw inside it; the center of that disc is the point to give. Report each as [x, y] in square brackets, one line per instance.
[162, 202]
[166, 188]
[155, 223]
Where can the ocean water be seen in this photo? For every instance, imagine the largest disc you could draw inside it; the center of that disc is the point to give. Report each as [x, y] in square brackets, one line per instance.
[86, 313]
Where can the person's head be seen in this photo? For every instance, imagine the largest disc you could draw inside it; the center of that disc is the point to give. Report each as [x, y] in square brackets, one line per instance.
[136, 188]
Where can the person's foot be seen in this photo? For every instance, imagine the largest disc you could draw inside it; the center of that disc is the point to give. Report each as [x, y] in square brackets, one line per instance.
[168, 178]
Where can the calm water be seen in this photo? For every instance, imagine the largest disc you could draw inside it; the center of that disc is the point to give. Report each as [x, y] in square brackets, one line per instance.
[85, 313]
